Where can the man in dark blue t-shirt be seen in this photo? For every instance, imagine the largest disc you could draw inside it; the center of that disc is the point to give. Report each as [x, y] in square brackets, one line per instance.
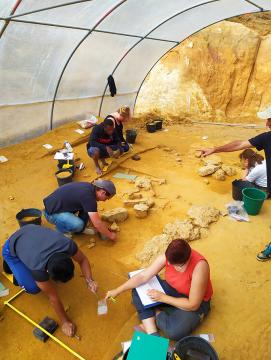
[71, 206]
[37, 255]
[260, 142]
[103, 143]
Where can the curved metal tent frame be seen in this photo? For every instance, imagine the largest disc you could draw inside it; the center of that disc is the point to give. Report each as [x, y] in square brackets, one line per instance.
[107, 20]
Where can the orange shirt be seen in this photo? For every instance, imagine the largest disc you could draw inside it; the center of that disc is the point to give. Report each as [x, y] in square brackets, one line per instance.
[181, 281]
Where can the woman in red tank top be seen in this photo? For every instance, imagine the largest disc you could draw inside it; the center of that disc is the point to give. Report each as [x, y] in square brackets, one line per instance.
[188, 291]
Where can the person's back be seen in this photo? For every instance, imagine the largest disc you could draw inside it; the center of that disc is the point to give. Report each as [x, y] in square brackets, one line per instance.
[34, 245]
[72, 197]
[258, 174]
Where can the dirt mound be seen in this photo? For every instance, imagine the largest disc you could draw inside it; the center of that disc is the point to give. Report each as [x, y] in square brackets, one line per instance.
[203, 216]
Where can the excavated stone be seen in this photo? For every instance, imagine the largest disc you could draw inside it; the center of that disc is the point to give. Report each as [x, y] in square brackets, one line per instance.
[212, 160]
[115, 215]
[152, 248]
[143, 183]
[219, 175]
[207, 170]
[135, 196]
[229, 170]
[114, 227]
[131, 203]
[185, 230]
[203, 216]
[141, 211]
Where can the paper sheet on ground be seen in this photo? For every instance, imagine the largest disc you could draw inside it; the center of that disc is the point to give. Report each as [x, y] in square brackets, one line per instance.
[142, 290]
[48, 146]
[79, 131]
[60, 156]
[3, 159]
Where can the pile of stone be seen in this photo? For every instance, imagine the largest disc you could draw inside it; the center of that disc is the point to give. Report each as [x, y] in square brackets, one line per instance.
[193, 228]
[213, 166]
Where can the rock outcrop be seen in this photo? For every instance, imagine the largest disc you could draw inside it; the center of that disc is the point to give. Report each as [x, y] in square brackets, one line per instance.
[222, 73]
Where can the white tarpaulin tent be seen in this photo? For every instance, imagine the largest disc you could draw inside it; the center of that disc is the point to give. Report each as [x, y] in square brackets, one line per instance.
[56, 55]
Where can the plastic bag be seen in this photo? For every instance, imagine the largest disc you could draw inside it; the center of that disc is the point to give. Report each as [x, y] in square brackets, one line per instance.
[88, 123]
[237, 211]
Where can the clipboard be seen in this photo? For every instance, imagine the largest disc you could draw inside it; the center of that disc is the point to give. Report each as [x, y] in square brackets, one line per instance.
[153, 283]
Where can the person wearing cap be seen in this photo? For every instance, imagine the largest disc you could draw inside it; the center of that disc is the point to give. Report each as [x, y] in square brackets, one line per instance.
[121, 116]
[37, 257]
[260, 142]
[104, 143]
[72, 205]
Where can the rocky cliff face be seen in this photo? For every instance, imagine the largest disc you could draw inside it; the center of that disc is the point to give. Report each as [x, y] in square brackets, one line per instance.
[223, 73]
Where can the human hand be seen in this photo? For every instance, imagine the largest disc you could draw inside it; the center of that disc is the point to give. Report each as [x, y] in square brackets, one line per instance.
[92, 285]
[206, 152]
[156, 295]
[68, 328]
[112, 236]
[112, 294]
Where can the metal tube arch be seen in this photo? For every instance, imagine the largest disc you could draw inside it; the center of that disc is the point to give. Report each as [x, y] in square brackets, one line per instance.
[74, 51]
[145, 37]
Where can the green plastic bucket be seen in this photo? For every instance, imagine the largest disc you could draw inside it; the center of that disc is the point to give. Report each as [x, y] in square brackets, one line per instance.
[253, 200]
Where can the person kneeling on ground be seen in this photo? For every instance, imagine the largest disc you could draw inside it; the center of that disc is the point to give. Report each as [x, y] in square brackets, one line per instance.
[188, 291]
[255, 175]
[37, 255]
[79, 197]
[122, 115]
[103, 143]
[260, 142]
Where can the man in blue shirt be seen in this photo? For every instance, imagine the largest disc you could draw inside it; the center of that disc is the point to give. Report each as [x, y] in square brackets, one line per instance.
[260, 142]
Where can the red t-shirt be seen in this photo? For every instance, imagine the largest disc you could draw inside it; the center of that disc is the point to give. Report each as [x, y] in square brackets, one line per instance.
[181, 281]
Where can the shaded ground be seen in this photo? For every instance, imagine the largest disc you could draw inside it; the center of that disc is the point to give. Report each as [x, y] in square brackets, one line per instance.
[240, 311]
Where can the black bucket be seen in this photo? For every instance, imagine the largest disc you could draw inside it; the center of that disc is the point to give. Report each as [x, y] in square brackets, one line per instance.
[64, 180]
[29, 216]
[159, 124]
[131, 136]
[66, 164]
[237, 187]
[194, 347]
[151, 127]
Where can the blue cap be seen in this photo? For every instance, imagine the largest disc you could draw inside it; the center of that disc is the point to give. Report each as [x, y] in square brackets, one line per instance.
[105, 185]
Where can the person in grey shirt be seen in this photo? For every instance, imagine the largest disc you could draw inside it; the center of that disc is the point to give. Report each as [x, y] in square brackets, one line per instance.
[38, 256]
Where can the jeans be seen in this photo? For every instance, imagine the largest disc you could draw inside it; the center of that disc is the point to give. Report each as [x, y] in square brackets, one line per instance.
[21, 273]
[67, 222]
[103, 154]
[175, 323]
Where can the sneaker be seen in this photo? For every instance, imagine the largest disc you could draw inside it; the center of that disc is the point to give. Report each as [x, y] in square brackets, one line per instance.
[89, 231]
[265, 254]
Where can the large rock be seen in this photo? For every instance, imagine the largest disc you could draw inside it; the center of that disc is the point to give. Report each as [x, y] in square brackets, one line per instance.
[141, 210]
[212, 160]
[115, 215]
[219, 175]
[207, 170]
[203, 216]
[152, 248]
[182, 230]
[229, 170]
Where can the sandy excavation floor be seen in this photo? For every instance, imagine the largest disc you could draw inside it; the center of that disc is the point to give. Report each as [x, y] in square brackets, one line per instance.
[240, 317]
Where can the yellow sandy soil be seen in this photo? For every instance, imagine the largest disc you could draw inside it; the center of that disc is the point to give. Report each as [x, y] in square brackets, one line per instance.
[239, 319]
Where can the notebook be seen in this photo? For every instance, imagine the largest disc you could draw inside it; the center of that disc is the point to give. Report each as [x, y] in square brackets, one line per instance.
[142, 290]
[146, 347]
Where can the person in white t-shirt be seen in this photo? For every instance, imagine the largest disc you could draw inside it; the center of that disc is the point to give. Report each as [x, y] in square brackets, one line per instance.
[255, 169]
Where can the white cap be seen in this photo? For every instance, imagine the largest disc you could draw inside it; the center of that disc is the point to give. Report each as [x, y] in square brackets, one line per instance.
[265, 114]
